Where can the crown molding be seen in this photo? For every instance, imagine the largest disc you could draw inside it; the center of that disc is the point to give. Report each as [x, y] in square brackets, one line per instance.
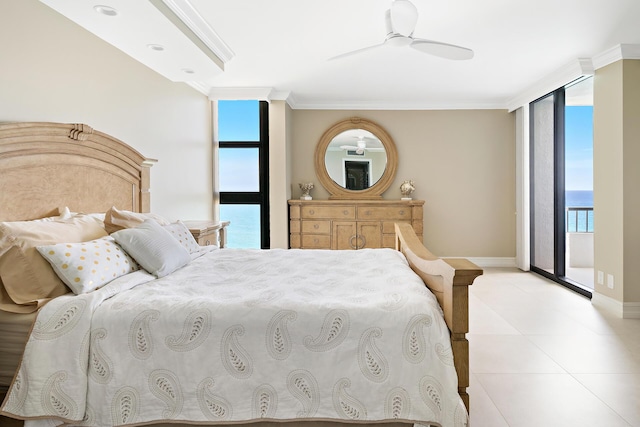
[271, 94]
[246, 93]
[201, 87]
[376, 105]
[616, 53]
[566, 74]
[280, 95]
[239, 93]
[187, 19]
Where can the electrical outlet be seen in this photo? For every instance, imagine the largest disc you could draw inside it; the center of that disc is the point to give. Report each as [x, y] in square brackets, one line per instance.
[600, 278]
[610, 281]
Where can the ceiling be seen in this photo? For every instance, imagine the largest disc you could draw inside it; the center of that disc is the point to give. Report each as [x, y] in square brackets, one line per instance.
[280, 49]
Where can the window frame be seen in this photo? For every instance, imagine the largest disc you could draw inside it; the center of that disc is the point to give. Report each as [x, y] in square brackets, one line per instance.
[260, 197]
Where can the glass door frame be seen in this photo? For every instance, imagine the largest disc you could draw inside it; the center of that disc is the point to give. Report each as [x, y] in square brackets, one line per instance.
[559, 225]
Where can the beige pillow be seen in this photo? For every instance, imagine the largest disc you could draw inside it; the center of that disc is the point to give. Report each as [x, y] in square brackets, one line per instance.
[115, 219]
[28, 279]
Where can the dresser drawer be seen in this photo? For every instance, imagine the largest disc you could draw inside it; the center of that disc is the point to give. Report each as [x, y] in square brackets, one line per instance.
[310, 241]
[389, 240]
[328, 212]
[316, 227]
[388, 227]
[384, 213]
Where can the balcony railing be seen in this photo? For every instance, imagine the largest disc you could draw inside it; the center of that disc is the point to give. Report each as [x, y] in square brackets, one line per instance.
[579, 219]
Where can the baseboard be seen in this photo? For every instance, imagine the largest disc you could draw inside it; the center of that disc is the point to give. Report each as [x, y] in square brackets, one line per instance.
[627, 310]
[486, 262]
[631, 310]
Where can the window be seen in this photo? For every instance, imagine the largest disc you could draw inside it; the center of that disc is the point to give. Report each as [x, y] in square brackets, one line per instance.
[243, 170]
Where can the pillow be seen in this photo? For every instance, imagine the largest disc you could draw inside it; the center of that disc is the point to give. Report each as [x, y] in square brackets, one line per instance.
[181, 233]
[66, 213]
[27, 277]
[115, 219]
[88, 266]
[153, 247]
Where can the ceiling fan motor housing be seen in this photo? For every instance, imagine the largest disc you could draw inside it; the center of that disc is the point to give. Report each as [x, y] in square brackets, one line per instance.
[402, 18]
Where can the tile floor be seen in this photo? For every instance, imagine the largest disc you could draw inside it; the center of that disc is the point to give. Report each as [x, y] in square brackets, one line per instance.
[542, 355]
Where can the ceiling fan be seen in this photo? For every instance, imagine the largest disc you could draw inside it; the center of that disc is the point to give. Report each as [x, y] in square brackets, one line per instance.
[401, 21]
[360, 147]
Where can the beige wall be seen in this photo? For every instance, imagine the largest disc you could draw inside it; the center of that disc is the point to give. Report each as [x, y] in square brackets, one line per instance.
[53, 70]
[462, 162]
[607, 176]
[616, 178]
[279, 174]
[631, 133]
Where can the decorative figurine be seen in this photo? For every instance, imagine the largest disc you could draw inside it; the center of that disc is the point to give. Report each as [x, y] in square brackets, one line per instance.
[306, 189]
[406, 188]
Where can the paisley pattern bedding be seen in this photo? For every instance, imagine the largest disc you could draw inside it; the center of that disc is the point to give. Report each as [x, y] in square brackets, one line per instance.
[238, 335]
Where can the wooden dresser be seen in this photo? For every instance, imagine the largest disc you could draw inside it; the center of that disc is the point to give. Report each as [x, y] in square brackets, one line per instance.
[350, 224]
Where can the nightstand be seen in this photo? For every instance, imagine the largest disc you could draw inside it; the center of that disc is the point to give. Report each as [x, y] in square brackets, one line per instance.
[209, 232]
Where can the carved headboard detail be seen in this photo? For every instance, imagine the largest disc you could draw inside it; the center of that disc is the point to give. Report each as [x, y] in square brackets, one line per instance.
[47, 166]
[80, 132]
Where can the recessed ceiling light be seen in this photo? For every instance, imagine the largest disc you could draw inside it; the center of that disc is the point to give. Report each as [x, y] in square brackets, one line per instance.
[105, 10]
[188, 71]
[156, 47]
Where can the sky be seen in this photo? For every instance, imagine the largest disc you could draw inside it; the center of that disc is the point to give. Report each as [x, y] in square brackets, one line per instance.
[239, 167]
[579, 148]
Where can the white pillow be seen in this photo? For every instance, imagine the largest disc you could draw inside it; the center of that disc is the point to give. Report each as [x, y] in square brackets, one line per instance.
[153, 247]
[182, 234]
[88, 266]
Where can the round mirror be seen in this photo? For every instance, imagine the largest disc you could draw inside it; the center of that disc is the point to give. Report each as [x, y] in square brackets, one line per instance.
[356, 158]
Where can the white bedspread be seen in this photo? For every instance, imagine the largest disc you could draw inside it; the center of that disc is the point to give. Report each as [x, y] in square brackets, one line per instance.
[245, 334]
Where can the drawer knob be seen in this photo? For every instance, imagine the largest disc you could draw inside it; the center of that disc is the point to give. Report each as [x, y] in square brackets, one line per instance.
[367, 212]
[316, 226]
[401, 212]
[311, 212]
[345, 212]
[316, 241]
[207, 242]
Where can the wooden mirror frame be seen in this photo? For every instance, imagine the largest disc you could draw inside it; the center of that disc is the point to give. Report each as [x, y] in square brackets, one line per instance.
[375, 191]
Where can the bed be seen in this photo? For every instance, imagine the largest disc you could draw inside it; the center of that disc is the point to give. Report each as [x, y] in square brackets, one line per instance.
[231, 336]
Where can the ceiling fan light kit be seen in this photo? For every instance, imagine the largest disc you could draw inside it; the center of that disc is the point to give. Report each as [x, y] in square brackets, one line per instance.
[401, 20]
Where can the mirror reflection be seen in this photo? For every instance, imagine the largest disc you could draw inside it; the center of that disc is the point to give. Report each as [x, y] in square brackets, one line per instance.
[355, 159]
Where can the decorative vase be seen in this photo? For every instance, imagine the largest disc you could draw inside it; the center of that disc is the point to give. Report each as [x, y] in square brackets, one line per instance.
[306, 190]
[406, 188]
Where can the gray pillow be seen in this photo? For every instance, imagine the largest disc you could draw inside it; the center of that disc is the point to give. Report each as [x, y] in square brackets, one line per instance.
[153, 247]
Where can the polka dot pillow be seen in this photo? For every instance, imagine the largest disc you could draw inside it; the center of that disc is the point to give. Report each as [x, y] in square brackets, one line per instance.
[183, 235]
[87, 266]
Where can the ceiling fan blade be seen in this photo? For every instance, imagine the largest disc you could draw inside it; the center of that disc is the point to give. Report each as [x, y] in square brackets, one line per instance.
[403, 16]
[443, 50]
[357, 51]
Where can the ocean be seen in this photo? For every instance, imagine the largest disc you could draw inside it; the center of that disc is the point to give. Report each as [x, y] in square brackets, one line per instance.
[244, 230]
[580, 220]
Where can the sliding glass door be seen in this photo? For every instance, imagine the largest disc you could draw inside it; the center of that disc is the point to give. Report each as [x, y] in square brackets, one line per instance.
[547, 251]
[552, 162]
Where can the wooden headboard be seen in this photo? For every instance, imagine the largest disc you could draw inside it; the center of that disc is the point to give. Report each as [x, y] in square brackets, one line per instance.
[47, 166]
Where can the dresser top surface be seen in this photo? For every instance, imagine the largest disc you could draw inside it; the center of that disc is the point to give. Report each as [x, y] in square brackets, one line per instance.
[357, 202]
